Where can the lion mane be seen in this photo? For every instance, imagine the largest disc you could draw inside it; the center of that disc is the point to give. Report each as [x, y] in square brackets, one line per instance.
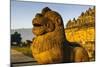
[50, 44]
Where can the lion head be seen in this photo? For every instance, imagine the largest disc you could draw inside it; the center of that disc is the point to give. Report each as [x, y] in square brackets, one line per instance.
[46, 21]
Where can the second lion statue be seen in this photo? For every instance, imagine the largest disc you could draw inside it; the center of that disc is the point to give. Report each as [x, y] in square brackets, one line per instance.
[50, 44]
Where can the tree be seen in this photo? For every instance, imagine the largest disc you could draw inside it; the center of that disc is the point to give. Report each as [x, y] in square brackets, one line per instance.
[16, 38]
[28, 42]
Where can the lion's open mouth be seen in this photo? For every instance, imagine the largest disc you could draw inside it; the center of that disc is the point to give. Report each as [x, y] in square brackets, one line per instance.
[38, 29]
[37, 24]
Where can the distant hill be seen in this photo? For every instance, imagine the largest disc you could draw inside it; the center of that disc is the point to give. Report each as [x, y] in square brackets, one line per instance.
[26, 34]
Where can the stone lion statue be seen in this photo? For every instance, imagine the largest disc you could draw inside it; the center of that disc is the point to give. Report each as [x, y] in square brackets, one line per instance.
[50, 44]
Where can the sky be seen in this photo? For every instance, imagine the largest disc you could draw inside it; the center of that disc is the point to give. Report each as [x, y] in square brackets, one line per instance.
[23, 12]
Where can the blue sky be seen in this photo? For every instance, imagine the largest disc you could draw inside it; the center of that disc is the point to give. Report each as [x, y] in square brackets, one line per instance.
[22, 13]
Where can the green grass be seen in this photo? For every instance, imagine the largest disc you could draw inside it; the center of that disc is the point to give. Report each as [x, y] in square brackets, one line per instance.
[25, 50]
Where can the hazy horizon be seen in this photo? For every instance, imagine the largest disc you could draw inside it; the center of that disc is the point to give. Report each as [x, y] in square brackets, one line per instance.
[20, 28]
[23, 12]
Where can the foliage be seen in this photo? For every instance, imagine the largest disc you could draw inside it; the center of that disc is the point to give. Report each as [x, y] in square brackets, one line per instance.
[27, 43]
[16, 37]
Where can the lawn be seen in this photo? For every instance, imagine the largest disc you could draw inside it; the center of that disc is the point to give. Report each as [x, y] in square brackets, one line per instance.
[25, 50]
